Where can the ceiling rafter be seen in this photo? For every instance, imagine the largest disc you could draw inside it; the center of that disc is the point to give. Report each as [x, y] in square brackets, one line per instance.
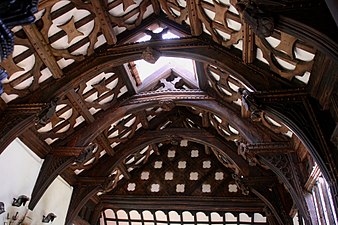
[43, 50]
[107, 29]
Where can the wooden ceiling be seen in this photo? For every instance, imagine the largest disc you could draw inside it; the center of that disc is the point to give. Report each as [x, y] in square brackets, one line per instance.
[75, 98]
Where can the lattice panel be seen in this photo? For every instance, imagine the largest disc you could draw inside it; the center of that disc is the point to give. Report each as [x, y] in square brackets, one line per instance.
[222, 126]
[25, 69]
[152, 217]
[128, 14]
[102, 91]
[224, 84]
[286, 56]
[72, 30]
[178, 168]
[221, 20]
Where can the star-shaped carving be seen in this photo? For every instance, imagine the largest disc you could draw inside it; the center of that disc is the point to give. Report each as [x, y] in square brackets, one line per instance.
[127, 3]
[71, 30]
[10, 66]
[101, 87]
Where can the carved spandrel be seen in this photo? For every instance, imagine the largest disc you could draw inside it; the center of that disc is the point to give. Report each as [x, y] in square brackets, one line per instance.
[282, 59]
[286, 170]
[219, 24]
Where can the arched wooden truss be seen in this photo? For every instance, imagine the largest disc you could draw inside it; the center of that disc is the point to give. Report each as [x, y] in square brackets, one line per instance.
[255, 113]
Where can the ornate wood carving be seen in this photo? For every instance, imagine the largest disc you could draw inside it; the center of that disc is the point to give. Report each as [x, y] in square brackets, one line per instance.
[43, 49]
[107, 29]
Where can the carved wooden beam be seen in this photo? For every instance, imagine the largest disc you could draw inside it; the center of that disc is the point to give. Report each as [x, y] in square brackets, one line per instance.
[195, 22]
[81, 194]
[248, 44]
[43, 50]
[323, 80]
[107, 29]
[179, 98]
[54, 164]
[276, 215]
[30, 138]
[238, 204]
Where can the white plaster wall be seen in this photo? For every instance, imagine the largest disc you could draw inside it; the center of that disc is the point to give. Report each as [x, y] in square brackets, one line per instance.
[19, 169]
[56, 200]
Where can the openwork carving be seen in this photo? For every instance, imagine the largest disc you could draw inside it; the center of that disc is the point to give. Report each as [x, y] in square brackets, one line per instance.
[224, 84]
[176, 167]
[176, 10]
[24, 71]
[123, 129]
[111, 182]
[102, 91]
[129, 14]
[286, 55]
[252, 109]
[221, 21]
[62, 121]
[87, 157]
[80, 41]
[44, 117]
